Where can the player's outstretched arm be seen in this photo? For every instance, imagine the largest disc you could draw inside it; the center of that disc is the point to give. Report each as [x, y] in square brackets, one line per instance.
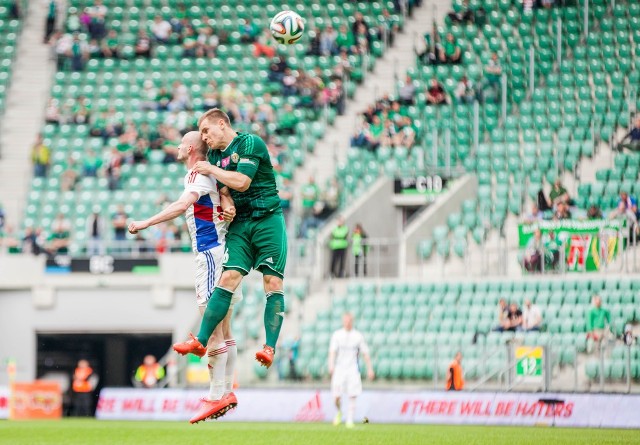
[234, 180]
[172, 211]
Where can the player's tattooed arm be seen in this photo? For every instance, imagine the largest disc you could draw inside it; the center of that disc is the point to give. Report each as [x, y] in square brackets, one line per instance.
[227, 204]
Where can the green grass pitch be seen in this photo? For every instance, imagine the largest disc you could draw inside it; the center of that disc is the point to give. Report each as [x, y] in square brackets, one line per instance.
[93, 432]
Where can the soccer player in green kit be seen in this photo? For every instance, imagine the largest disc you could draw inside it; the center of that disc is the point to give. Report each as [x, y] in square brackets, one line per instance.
[256, 239]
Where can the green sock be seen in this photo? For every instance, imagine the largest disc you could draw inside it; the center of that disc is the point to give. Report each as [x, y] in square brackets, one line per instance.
[273, 317]
[217, 308]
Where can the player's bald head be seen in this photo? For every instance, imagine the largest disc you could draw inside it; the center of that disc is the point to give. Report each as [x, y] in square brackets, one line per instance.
[193, 139]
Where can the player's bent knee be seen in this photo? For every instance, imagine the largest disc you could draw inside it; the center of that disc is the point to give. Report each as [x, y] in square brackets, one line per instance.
[272, 283]
[230, 279]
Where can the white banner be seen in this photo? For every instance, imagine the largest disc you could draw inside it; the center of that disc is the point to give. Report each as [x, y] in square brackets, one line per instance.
[586, 410]
[4, 402]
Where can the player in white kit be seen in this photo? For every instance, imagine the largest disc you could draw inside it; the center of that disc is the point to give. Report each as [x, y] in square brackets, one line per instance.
[208, 214]
[344, 351]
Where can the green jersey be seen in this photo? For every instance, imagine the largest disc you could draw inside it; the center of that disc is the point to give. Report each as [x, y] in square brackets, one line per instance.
[248, 154]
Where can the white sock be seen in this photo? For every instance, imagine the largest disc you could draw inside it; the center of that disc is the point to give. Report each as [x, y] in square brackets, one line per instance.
[232, 354]
[217, 364]
[351, 410]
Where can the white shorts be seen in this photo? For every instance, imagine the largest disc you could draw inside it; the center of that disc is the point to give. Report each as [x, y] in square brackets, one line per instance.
[346, 381]
[208, 273]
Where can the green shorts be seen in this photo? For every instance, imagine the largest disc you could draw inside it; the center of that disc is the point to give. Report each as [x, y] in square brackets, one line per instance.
[259, 244]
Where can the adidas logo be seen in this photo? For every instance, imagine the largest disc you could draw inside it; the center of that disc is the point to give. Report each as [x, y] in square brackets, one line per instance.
[311, 411]
[269, 260]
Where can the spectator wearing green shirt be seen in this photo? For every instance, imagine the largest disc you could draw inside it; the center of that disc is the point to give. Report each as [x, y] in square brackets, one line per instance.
[310, 194]
[58, 241]
[559, 194]
[345, 39]
[287, 120]
[111, 45]
[491, 82]
[598, 320]
[359, 249]
[450, 52]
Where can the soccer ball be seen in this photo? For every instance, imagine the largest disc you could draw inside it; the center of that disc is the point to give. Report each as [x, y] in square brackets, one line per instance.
[286, 27]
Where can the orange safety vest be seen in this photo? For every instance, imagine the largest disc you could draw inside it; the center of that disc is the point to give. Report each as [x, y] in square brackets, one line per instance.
[458, 381]
[81, 379]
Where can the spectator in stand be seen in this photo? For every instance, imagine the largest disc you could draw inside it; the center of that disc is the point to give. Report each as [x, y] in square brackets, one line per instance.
[407, 92]
[14, 10]
[111, 45]
[450, 52]
[58, 241]
[562, 211]
[50, 23]
[277, 69]
[113, 178]
[40, 157]
[514, 317]
[9, 241]
[69, 176]
[531, 317]
[143, 45]
[534, 252]
[328, 38]
[119, 225]
[264, 45]
[314, 43]
[534, 216]
[289, 83]
[359, 28]
[150, 372]
[96, 231]
[633, 138]
[149, 96]
[208, 42]
[598, 322]
[627, 207]
[190, 44]
[363, 39]
[331, 196]
[559, 194]
[161, 30]
[310, 193]
[337, 96]
[52, 113]
[81, 111]
[594, 212]
[359, 249]
[31, 241]
[455, 375]
[492, 79]
[465, 15]
[435, 93]
[180, 97]
[287, 120]
[503, 313]
[248, 32]
[78, 54]
[98, 13]
[465, 93]
[345, 40]
[285, 192]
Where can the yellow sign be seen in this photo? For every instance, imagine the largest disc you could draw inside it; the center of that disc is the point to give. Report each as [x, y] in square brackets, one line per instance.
[528, 351]
[529, 360]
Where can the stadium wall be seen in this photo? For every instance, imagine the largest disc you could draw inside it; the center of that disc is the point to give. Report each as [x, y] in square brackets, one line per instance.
[575, 410]
[33, 302]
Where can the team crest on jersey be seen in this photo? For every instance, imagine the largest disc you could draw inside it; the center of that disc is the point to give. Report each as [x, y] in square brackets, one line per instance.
[235, 158]
[225, 162]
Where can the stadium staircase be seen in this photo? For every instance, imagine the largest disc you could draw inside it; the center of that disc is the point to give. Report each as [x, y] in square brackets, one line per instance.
[333, 148]
[31, 71]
